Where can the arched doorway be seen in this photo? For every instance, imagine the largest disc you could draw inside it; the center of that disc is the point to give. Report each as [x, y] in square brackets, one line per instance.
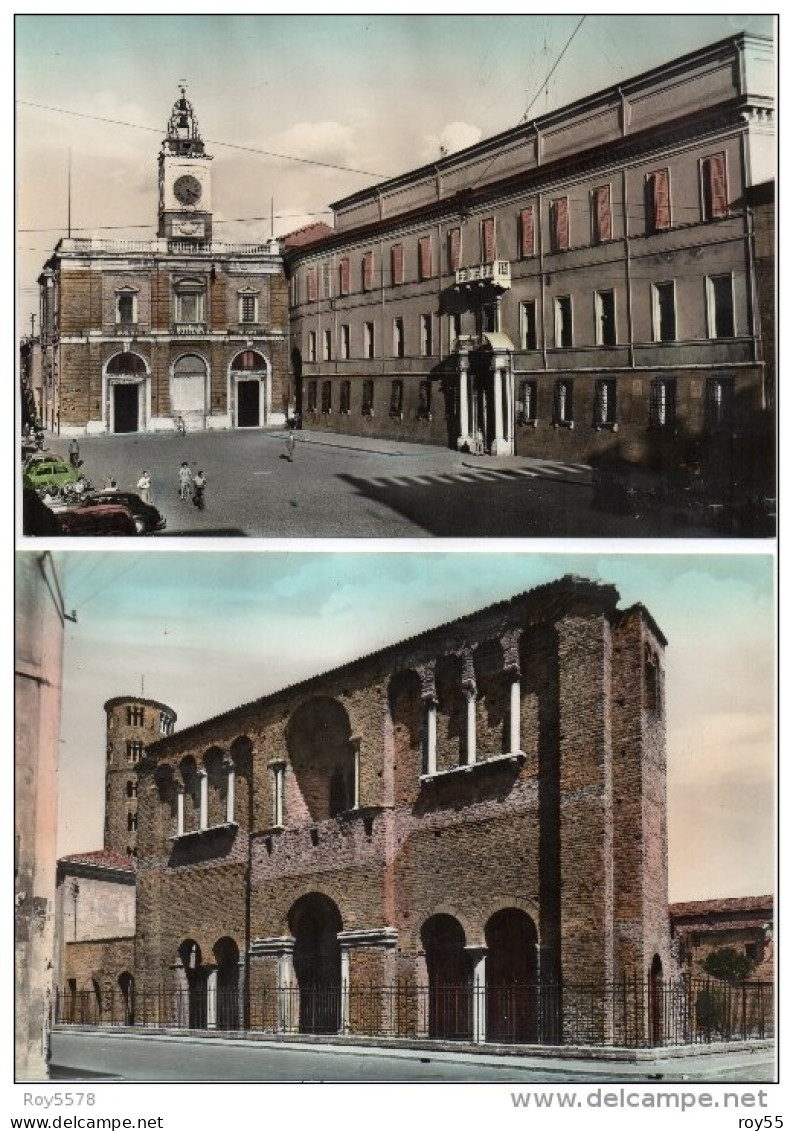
[315, 922]
[189, 390]
[193, 986]
[249, 374]
[511, 976]
[323, 757]
[227, 983]
[449, 976]
[126, 382]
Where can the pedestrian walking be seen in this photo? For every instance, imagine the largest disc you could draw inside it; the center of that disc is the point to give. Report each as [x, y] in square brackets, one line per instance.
[290, 447]
[199, 485]
[74, 454]
[144, 487]
[185, 480]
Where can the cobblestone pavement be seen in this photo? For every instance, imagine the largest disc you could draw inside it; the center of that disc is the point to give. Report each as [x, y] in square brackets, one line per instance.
[346, 487]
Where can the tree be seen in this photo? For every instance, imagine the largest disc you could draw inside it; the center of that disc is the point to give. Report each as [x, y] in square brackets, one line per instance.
[729, 964]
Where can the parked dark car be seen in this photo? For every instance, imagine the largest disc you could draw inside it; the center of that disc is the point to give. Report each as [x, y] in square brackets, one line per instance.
[95, 521]
[146, 517]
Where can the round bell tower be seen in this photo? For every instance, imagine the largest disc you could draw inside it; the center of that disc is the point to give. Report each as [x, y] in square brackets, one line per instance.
[185, 208]
[132, 725]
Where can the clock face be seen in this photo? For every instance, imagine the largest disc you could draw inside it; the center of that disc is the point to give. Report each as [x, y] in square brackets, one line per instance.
[187, 189]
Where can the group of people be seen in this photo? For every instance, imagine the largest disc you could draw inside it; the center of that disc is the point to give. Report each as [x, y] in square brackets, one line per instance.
[191, 486]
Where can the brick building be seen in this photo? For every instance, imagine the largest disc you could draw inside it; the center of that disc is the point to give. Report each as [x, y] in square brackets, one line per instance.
[744, 924]
[588, 285]
[459, 820]
[136, 333]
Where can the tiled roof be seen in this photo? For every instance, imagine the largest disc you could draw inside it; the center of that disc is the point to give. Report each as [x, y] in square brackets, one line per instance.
[101, 859]
[304, 236]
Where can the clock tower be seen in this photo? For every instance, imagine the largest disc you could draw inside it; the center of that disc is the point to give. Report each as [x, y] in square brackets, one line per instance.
[185, 208]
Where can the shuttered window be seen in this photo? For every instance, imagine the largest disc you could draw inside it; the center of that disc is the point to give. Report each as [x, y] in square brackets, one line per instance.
[344, 277]
[367, 270]
[311, 284]
[488, 240]
[397, 264]
[560, 224]
[527, 233]
[714, 187]
[425, 257]
[658, 211]
[601, 213]
[326, 277]
[455, 249]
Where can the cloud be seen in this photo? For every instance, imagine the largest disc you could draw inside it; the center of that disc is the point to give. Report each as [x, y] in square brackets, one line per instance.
[453, 137]
[327, 141]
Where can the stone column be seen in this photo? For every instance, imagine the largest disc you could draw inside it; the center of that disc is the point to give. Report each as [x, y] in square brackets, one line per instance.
[470, 726]
[212, 998]
[278, 769]
[465, 419]
[180, 811]
[478, 956]
[432, 736]
[203, 808]
[514, 713]
[344, 1019]
[356, 772]
[498, 406]
[231, 782]
[500, 446]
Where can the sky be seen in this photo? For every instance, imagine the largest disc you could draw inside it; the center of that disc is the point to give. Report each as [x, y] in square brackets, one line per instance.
[210, 630]
[297, 111]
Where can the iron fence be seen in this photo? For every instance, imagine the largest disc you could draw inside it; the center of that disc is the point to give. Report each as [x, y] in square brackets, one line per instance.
[628, 1014]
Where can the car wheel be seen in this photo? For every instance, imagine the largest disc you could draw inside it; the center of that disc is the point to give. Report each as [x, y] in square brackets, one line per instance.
[140, 526]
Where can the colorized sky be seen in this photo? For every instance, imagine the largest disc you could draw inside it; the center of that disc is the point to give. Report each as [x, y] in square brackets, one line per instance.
[207, 631]
[297, 111]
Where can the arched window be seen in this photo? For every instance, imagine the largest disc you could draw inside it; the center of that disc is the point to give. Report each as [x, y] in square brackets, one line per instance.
[249, 361]
[126, 364]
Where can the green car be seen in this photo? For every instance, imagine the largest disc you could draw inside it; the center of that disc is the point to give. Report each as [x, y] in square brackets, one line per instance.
[50, 473]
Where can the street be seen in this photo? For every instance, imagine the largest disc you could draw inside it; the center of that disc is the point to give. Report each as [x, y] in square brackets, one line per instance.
[142, 1056]
[347, 487]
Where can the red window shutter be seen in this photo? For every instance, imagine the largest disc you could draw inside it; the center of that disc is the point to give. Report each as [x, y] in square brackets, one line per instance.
[312, 284]
[455, 249]
[368, 270]
[716, 185]
[603, 213]
[527, 232]
[561, 224]
[488, 240]
[397, 264]
[344, 277]
[425, 257]
[662, 217]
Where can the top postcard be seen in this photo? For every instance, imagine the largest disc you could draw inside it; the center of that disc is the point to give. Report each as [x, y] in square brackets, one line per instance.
[515, 285]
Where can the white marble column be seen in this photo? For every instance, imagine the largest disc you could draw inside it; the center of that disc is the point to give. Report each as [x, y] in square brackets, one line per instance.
[470, 728]
[432, 737]
[203, 806]
[478, 956]
[180, 811]
[278, 793]
[212, 999]
[465, 418]
[344, 1020]
[498, 405]
[514, 714]
[231, 782]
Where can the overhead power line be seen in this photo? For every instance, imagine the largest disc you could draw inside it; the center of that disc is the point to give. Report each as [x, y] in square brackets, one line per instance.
[209, 141]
